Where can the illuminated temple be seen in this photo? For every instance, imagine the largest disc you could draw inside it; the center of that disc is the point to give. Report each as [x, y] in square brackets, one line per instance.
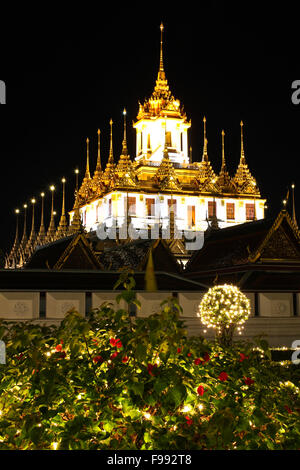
[163, 199]
[159, 187]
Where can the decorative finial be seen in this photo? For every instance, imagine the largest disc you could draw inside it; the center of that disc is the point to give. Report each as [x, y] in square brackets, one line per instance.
[87, 171]
[161, 64]
[223, 149]
[98, 166]
[204, 156]
[124, 143]
[76, 171]
[242, 144]
[111, 153]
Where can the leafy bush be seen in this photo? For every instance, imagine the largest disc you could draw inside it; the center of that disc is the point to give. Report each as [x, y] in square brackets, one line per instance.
[113, 382]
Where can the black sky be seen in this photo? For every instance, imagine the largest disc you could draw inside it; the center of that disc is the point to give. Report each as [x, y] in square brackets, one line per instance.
[68, 72]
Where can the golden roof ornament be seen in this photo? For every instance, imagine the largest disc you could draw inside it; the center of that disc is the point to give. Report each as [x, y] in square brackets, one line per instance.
[62, 228]
[124, 169]
[161, 101]
[244, 181]
[41, 238]
[86, 191]
[166, 176]
[97, 184]
[224, 180]
[12, 259]
[32, 237]
[51, 232]
[24, 236]
[206, 177]
[109, 173]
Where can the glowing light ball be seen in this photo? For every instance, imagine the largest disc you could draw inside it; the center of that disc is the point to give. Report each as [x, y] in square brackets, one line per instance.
[224, 308]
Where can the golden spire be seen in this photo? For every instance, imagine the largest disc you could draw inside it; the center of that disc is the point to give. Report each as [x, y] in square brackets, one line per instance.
[24, 236]
[98, 166]
[87, 171]
[86, 190]
[32, 237]
[42, 233]
[62, 228]
[243, 179]
[111, 153]
[242, 145]
[11, 261]
[223, 150]
[124, 143]
[205, 155]
[51, 229]
[161, 73]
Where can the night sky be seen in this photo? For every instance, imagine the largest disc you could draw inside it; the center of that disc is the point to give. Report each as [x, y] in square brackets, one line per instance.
[68, 72]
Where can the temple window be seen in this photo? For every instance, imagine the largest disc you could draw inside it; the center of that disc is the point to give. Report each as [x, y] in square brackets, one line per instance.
[131, 205]
[212, 209]
[230, 210]
[250, 211]
[150, 206]
[168, 139]
[191, 219]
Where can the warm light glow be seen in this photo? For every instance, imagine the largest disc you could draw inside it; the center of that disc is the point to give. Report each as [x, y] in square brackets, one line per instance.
[42, 194]
[224, 307]
[76, 171]
[63, 180]
[124, 112]
[54, 445]
[186, 409]
[284, 201]
[52, 188]
[293, 186]
[33, 201]
[17, 211]
[25, 206]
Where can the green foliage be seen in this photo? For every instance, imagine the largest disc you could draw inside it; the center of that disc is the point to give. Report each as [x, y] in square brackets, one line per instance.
[112, 382]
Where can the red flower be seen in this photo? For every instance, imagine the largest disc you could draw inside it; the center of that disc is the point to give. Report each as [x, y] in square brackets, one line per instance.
[189, 421]
[62, 355]
[223, 376]
[243, 357]
[97, 359]
[206, 357]
[248, 381]
[200, 390]
[114, 355]
[19, 357]
[58, 348]
[189, 354]
[115, 342]
[95, 341]
[61, 341]
[150, 368]
[179, 350]
[197, 361]
[288, 409]
[125, 359]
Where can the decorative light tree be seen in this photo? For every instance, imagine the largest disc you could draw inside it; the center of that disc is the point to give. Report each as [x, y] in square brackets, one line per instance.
[224, 308]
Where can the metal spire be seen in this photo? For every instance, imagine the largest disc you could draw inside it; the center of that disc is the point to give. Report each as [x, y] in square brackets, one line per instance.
[205, 155]
[242, 145]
